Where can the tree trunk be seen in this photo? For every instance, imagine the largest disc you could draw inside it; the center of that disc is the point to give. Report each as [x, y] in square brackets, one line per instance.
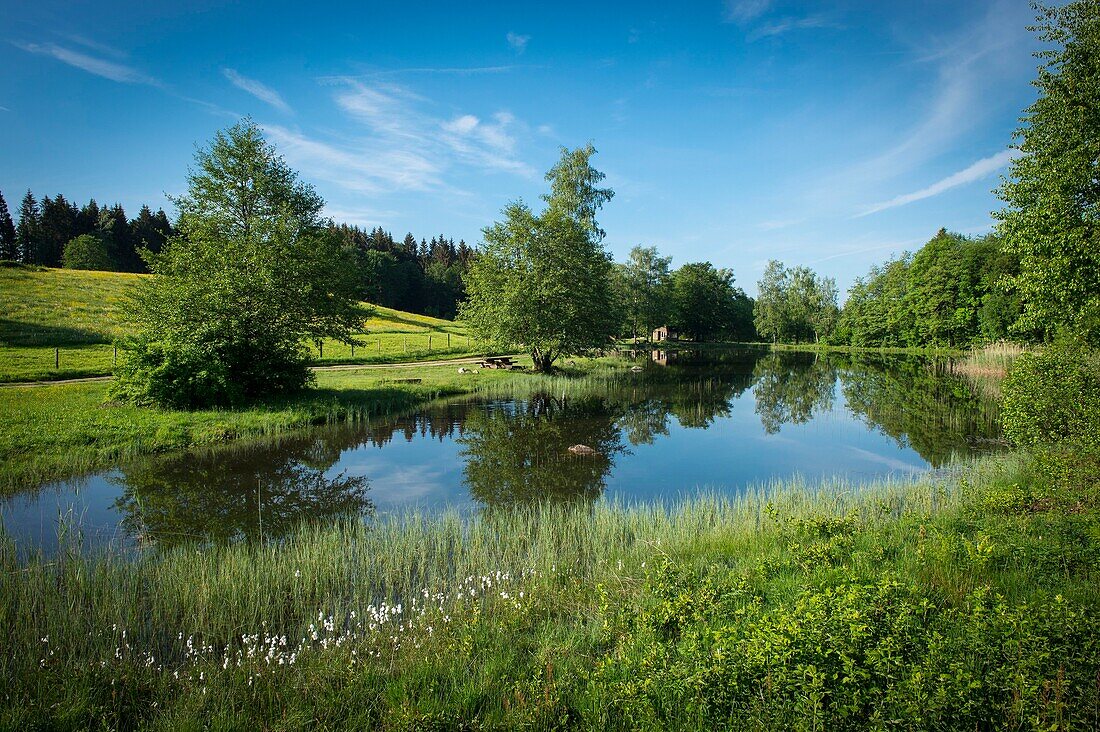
[542, 362]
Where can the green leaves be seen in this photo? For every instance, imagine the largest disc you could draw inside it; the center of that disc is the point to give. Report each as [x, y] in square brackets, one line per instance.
[543, 283]
[252, 276]
[1052, 215]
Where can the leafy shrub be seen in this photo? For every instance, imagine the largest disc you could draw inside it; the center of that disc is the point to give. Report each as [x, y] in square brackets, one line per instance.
[88, 251]
[1053, 395]
[854, 656]
[197, 374]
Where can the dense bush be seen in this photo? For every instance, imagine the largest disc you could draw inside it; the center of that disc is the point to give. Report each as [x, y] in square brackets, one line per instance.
[253, 276]
[854, 656]
[1054, 395]
[88, 251]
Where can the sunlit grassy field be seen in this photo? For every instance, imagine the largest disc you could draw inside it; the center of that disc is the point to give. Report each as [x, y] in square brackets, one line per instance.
[61, 324]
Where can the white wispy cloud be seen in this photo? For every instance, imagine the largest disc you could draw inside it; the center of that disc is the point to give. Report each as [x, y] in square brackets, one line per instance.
[398, 144]
[785, 25]
[517, 42]
[355, 165]
[973, 172]
[257, 89]
[98, 66]
[745, 11]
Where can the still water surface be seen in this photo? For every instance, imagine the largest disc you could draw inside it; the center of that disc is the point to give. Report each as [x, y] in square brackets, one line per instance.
[715, 423]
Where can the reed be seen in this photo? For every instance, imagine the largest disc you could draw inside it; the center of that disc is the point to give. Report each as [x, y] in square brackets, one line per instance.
[529, 616]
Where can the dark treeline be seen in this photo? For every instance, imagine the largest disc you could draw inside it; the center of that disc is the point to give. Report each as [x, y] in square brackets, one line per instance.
[416, 276]
[951, 292]
[55, 232]
[424, 277]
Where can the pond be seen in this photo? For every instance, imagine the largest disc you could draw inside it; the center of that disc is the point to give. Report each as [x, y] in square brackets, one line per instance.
[686, 423]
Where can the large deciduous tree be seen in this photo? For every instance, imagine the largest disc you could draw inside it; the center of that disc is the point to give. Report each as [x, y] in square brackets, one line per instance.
[1052, 195]
[795, 304]
[543, 282]
[706, 305]
[645, 290]
[253, 274]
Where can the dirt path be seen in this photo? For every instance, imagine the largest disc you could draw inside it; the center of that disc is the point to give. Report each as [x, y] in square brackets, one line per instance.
[465, 361]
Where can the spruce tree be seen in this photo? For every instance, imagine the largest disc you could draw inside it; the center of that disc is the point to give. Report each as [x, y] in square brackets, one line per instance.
[29, 231]
[8, 249]
[58, 224]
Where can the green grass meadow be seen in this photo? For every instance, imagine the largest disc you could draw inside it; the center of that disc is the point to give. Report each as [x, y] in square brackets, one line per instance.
[63, 324]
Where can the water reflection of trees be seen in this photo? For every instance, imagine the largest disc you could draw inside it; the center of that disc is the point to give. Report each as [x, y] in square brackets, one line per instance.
[906, 398]
[517, 450]
[520, 452]
[938, 415]
[251, 491]
[791, 387]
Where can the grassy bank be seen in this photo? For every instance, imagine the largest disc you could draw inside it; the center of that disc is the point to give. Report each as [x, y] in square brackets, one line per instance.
[53, 431]
[62, 324]
[57, 430]
[941, 604]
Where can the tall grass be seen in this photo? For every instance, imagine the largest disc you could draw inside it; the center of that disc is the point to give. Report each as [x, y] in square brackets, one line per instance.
[559, 615]
[986, 367]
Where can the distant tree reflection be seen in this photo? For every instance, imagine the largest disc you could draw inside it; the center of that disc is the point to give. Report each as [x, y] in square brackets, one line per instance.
[938, 415]
[791, 387]
[257, 490]
[520, 453]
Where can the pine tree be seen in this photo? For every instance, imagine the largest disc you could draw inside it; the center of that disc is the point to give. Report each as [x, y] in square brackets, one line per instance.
[115, 230]
[57, 229]
[88, 218]
[8, 249]
[29, 232]
[150, 231]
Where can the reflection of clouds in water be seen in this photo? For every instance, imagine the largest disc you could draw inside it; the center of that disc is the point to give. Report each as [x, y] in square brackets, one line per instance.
[892, 463]
[394, 483]
[777, 437]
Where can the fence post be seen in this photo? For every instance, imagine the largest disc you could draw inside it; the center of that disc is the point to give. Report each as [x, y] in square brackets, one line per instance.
[429, 343]
[57, 358]
[405, 343]
[320, 350]
[379, 345]
[448, 340]
[353, 350]
[115, 362]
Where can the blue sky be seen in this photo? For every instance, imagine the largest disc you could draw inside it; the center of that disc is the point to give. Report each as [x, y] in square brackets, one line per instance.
[830, 134]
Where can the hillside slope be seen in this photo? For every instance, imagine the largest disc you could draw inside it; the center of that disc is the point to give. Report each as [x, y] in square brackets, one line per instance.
[61, 323]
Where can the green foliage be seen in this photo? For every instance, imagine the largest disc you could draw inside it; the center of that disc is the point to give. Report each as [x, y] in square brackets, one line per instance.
[88, 251]
[795, 304]
[1052, 396]
[852, 656]
[949, 293]
[645, 290]
[1052, 216]
[706, 305]
[544, 282]
[574, 191]
[252, 276]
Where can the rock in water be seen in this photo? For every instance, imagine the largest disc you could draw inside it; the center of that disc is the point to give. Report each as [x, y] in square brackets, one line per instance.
[582, 450]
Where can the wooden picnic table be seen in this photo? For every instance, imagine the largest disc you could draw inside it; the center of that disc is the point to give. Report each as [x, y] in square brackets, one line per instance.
[499, 362]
